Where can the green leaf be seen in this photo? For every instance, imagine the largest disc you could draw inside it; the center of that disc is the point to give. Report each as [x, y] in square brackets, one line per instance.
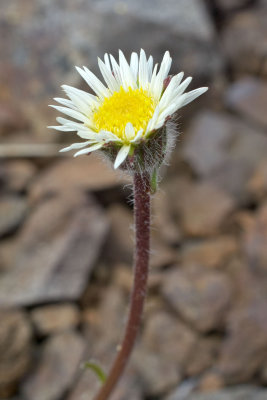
[96, 368]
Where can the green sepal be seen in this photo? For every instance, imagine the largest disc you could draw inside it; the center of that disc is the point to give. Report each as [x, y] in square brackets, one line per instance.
[96, 368]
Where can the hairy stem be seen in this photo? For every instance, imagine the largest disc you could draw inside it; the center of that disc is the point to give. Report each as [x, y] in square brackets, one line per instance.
[142, 242]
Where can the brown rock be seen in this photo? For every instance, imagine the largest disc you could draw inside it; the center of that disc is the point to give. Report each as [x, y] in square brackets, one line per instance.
[15, 350]
[103, 342]
[157, 375]
[243, 40]
[248, 97]
[244, 392]
[12, 213]
[224, 150]
[121, 238]
[255, 236]
[231, 5]
[203, 209]
[55, 318]
[163, 221]
[88, 173]
[211, 253]
[211, 382]
[203, 356]
[257, 185]
[58, 366]
[57, 249]
[245, 346]
[161, 357]
[201, 296]
[11, 119]
[16, 175]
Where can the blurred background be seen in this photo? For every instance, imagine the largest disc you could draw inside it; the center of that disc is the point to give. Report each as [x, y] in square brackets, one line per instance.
[65, 224]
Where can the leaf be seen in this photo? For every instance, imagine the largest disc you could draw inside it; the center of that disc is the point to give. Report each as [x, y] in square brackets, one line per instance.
[96, 368]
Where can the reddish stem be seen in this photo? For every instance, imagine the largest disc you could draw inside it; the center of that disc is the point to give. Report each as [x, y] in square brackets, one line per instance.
[142, 244]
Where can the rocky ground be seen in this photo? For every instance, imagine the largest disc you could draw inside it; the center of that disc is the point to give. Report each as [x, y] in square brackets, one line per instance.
[65, 224]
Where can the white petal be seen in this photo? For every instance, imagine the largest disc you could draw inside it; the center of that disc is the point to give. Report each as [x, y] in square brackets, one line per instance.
[129, 131]
[88, 98]
[143, 70]
[134, 65]
[168, 93]
[126, 72]
[74, 146]
[93, 82]
[107, 62]
[138, 136]
[107, 75]
[150, 67]
[62, 128]
[157, 86]
[66, 102]
[190, 96]
[121, 156]
[71, 113]
[116, 70]
[153, 120]
[94, 147]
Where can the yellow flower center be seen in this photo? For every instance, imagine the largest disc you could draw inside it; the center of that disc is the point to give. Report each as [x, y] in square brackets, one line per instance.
[135, 105]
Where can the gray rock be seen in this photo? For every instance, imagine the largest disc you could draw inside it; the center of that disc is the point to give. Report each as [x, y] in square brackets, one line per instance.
[57, 368]
[13, 210]
[15, 350]
[243, 40]
[248, 97]
[200, 296]
[55, 253]
[55, 318]
[225, 150]
[237, 393]
[244, 348]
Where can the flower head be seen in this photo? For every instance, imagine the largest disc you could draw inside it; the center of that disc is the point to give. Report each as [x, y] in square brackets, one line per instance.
[129, 110]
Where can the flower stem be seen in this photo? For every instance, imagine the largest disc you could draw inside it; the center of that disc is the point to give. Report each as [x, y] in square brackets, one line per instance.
[142, 244]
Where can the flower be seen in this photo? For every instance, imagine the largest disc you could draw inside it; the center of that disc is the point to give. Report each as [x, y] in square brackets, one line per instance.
[136, 102]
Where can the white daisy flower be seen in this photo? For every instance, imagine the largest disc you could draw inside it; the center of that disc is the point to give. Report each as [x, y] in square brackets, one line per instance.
[132, 105]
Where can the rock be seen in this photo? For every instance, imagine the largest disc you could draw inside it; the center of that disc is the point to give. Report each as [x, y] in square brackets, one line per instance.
[243, 41]
[55, 318]
[163, 220]
[257, 185]
[200, 296]
[235, 393]
[111, 312]
[248, 97]
[121, 238]
[211, 253]
[16, 175]
[231, 5]
[57, 368]
[240, 356]
[210, 382]
[157, 375]
[86, 173]
[166, 345]
[56, 251]
[224, 150]
[203, 356]
[15, 349]
[11, 119]
[203, 209]
[13, 210]
[254, 239]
